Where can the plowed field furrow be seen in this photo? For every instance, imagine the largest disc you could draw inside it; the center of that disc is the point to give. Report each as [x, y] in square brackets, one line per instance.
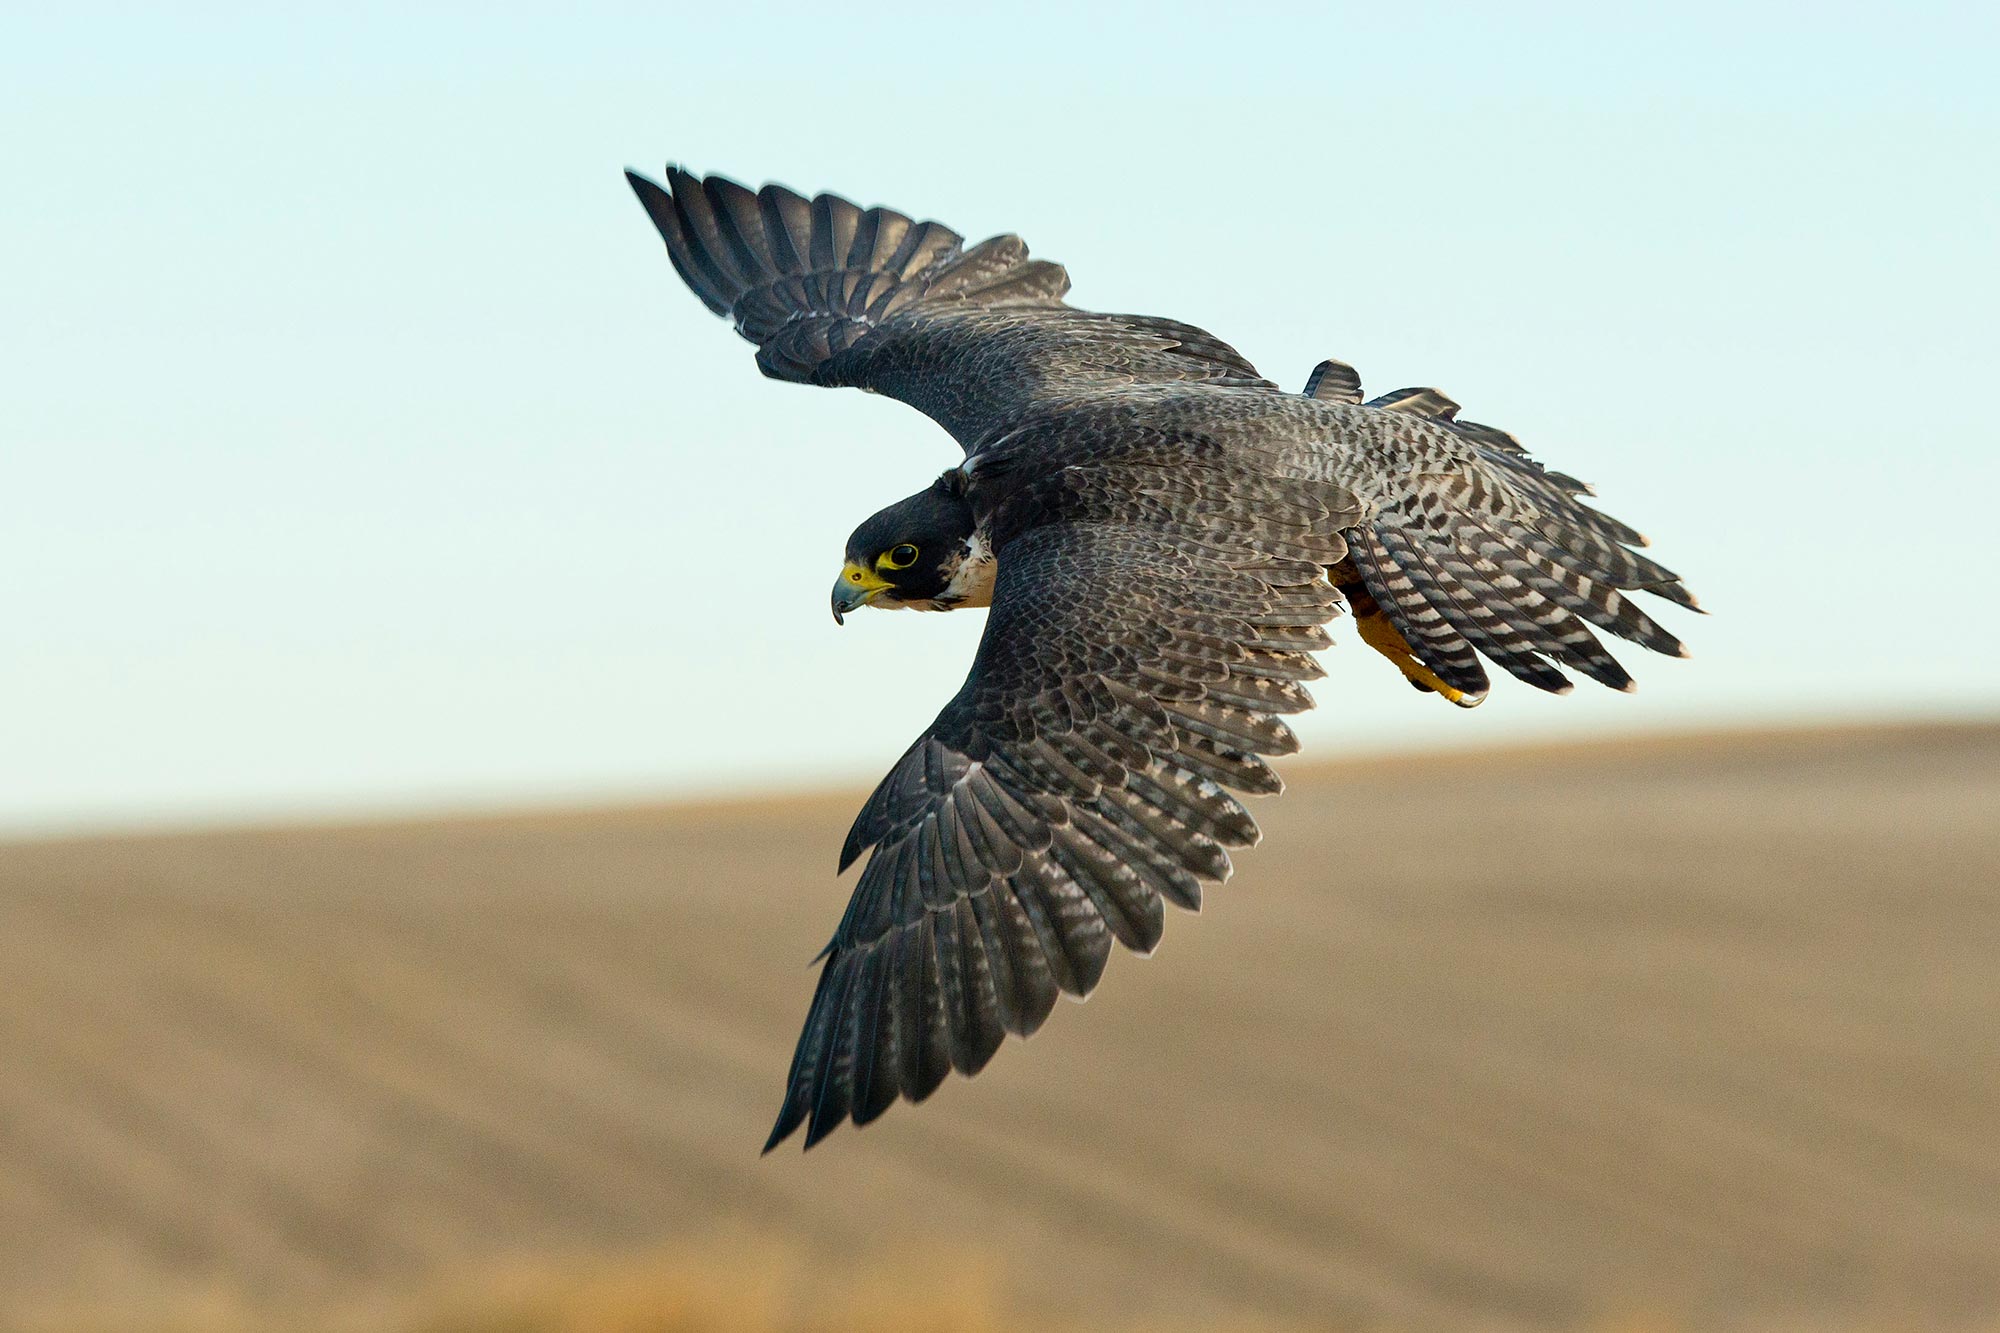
[1706, 1027]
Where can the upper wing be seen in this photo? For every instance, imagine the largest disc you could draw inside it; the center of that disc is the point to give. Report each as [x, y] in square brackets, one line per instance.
[836, 294]
[1130, 673]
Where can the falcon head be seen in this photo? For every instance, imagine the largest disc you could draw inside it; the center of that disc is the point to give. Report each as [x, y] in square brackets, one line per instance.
[923, 552]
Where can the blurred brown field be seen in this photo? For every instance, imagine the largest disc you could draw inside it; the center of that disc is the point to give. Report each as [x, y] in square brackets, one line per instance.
[1685, 1033]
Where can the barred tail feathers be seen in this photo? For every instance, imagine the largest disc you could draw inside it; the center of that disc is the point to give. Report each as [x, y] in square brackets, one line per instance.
[1501, 560]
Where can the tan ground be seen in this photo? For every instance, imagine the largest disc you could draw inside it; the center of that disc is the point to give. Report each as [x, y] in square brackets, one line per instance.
[1703, 1032]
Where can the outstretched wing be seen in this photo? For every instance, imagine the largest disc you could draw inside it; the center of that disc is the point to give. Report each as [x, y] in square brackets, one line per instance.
[836, 294]
[1131, 673]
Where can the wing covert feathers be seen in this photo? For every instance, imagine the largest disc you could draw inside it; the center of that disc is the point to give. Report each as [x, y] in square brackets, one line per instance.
[1334, 382]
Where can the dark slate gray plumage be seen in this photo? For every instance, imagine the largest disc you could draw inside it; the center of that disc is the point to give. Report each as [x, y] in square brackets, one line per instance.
[1172, 534]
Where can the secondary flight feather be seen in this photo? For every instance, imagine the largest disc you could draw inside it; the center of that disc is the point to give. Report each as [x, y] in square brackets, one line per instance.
[1162, 536]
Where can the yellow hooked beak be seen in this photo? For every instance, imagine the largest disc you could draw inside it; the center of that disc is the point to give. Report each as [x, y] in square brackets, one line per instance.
[857, 585]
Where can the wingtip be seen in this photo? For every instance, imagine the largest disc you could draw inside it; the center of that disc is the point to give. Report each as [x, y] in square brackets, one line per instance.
[781, 1131]
[653, 197]
[791, 1114]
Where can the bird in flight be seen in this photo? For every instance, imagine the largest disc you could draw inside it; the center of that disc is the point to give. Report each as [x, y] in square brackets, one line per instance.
[1161, 535]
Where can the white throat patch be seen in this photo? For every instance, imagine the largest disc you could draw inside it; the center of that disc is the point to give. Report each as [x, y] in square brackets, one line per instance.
[972, 582]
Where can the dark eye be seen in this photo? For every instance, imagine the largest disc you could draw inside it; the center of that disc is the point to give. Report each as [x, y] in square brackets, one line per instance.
[901, 557]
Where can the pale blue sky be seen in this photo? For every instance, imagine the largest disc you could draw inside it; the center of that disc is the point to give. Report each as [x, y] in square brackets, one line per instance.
[359, 449]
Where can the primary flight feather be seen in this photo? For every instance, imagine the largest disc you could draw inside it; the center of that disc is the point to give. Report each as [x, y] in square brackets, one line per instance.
[1162, 535]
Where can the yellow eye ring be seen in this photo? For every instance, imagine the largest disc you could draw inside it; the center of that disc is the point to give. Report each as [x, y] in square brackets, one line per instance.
[899, 557]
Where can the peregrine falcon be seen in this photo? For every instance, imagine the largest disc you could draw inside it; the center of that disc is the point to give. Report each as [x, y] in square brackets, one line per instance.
[1161, 535]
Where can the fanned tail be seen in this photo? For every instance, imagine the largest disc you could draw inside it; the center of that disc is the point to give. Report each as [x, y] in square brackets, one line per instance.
[1504, 561]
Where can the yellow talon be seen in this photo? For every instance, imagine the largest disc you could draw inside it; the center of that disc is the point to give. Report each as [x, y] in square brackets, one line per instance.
[1379, 634]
